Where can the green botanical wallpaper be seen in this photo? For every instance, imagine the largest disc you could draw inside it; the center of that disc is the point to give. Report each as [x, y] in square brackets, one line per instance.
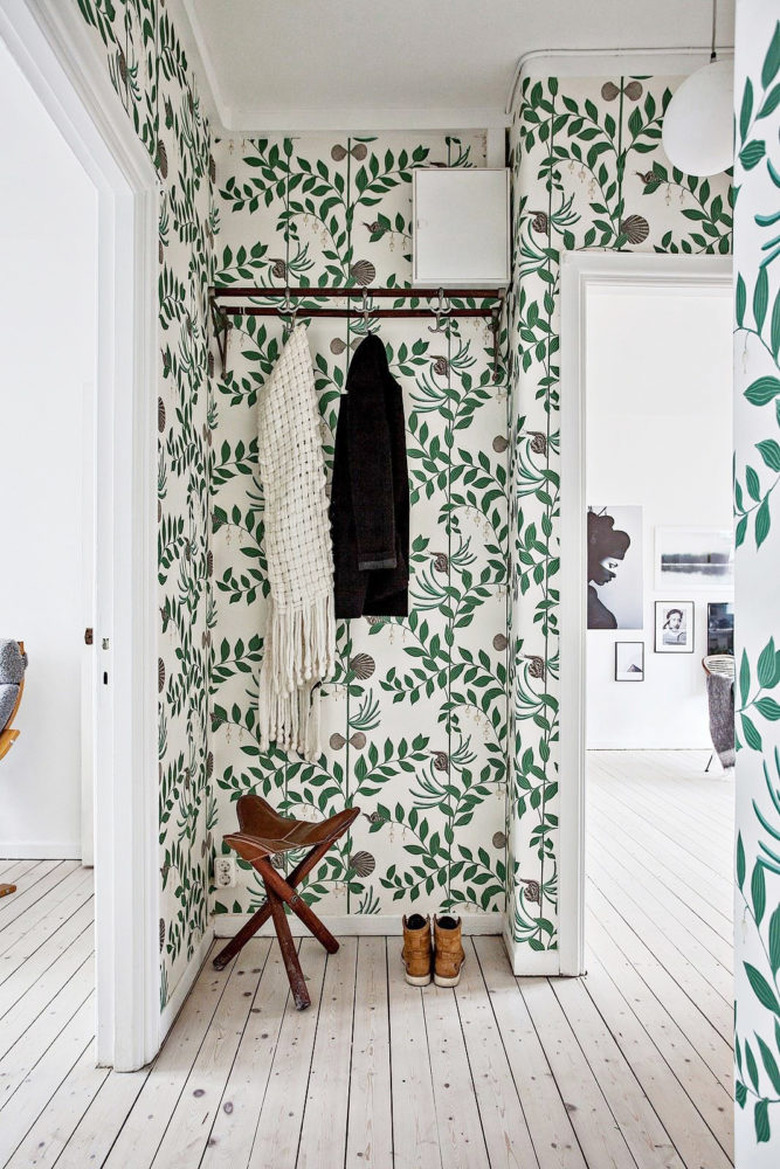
[149, 71]
[445, 738]
[589, 172]
[757, 473]
[415, 720]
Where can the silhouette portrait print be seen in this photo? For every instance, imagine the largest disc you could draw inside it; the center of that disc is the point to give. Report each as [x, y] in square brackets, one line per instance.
[607, 547]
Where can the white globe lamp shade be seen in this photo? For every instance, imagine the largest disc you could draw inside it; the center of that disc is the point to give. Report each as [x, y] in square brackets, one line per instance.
[698, 133]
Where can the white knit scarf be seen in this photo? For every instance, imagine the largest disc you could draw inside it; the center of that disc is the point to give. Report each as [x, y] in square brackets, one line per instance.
[300, 638]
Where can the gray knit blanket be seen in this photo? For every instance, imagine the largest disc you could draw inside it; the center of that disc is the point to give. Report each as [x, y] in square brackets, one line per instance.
[12, 666]
[720, 695]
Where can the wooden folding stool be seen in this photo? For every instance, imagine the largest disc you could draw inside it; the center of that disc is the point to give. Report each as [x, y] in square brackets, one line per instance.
[263, 832]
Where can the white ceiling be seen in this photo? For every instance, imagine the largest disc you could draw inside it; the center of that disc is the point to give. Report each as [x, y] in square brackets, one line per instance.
[298, 64]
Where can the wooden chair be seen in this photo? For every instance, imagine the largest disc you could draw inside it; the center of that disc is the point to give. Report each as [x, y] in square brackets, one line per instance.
[263, 833]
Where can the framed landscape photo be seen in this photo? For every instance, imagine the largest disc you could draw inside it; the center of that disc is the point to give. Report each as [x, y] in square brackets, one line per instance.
[674, 627]
[720, 627]
[629, 661]
[694, 558]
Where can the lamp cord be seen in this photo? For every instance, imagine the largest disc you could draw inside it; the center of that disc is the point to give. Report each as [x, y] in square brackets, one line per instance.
[713, 54]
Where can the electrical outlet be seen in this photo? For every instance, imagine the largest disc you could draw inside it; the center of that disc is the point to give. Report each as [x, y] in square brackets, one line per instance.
[224, 872]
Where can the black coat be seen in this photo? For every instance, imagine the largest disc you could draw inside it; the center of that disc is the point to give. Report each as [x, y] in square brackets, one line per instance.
[369, 507]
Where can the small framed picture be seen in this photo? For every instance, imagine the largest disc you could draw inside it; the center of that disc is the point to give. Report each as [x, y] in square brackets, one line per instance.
[629, 661]
[697, 558]
[720, 627]
[674, 627]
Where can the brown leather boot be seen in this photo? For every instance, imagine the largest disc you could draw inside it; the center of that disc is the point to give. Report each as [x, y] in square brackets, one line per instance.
[449, 953]
[416, 954]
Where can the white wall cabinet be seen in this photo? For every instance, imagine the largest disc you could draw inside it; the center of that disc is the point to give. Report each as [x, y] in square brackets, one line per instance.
[461, 227]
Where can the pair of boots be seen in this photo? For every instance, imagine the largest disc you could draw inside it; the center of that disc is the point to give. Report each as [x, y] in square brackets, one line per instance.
[448, 954]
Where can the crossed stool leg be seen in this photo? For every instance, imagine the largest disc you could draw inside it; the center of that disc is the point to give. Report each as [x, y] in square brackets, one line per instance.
[262, 833]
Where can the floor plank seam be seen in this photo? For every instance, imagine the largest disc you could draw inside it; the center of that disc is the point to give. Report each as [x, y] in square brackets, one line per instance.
[430, 1068]
[506, 1057]
[551, 983]
[671, 974]
[634, 862]
[389, 1056]
[471, 1077]
[282, 1015]
[701, 886]
[544, 1054]
[185, 1081]
[219, 1103]
[22, 1037]
[674, 842]
[667, 910]
[43, 942]
[26, 1078]
[650, 994]
[80, 1056]
[311, 1058]
[92, 1103]
[33, 985]
[351, 1050]
[661, 1056]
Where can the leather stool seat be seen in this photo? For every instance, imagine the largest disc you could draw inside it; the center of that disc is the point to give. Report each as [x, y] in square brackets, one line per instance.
[263, 833]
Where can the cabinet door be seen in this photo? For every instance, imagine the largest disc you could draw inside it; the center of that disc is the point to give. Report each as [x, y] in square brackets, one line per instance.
[461, 227]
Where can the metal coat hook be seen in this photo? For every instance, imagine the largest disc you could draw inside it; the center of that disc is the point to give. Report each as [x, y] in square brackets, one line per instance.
[443, 309]
[288, 308]
[366, 310]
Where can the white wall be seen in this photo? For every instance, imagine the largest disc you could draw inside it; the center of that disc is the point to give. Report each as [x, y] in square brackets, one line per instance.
[659, 435]
[48, 225]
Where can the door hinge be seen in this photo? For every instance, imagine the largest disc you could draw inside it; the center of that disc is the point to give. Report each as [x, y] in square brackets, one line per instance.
[89, 636]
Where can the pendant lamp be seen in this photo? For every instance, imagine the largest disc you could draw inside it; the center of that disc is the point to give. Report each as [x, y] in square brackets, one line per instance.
[698, 134]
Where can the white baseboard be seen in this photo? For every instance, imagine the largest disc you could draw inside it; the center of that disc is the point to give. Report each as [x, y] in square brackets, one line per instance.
[185, 983]
[37, 850]
[531, 963]
[227, 925]
[621, 745]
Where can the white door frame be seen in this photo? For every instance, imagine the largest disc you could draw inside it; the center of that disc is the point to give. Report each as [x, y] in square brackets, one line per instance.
[64, 63]
[579, 272]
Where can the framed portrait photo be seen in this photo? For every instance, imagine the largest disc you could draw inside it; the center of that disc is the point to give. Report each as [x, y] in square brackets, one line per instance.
[629, 661]
[674, 627]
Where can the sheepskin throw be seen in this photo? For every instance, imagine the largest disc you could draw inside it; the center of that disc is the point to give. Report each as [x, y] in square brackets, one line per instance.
[300, 636]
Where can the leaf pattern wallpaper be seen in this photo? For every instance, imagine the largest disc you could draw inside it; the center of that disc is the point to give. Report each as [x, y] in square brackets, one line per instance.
[443, 727]
[757, 472]
[415, 719]
[149, 71]
[589, 171]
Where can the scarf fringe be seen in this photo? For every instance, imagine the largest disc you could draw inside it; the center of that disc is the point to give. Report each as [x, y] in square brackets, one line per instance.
[300, 639]
[299, 653]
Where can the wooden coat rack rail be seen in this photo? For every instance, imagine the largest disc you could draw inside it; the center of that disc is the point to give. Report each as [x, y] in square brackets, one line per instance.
[490, 307]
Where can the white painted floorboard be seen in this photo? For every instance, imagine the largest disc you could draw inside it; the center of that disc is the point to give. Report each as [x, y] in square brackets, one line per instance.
[629, 1067]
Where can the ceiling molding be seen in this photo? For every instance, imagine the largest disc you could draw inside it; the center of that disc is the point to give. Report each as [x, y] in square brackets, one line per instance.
[603, 62]
[360, 121]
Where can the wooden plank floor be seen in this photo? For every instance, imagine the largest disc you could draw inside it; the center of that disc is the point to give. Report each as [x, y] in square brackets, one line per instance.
[627, 1068]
